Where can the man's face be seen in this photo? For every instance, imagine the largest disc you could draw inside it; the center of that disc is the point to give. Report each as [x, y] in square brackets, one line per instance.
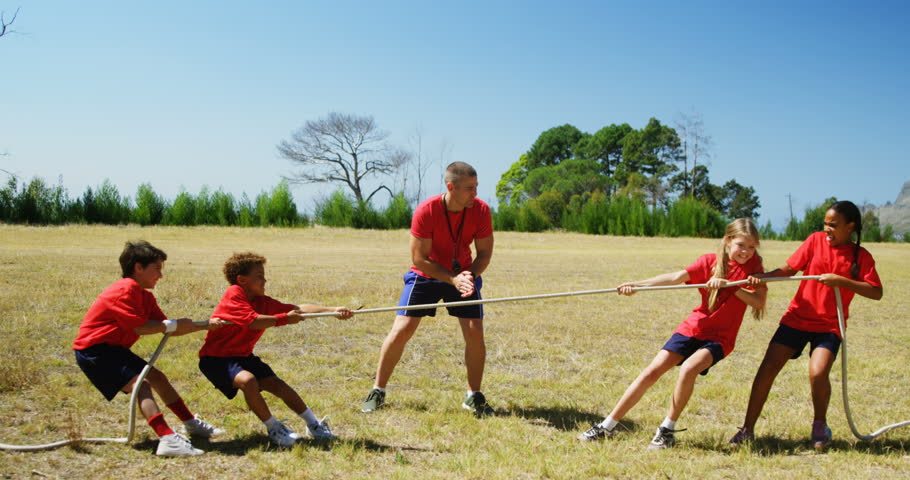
[464, 191]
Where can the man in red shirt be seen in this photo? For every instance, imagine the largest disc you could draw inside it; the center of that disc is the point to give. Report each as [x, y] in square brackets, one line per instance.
[442, 230]
[123, 312]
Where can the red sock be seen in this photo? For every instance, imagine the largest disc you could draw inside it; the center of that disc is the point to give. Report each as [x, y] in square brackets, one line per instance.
[179, 409]
[159, 425]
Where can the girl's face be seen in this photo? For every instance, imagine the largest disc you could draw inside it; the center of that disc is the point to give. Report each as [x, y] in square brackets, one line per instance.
[741, 248]
[837, 228]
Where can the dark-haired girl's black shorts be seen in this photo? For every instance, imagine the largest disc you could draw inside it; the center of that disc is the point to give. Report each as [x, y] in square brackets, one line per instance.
[797, 340]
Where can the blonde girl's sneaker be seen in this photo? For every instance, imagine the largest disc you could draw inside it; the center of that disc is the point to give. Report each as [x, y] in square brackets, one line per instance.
[197, 427]
[821, 435]
[596, 432]
[477, 403]
[664, 438]
[176, 445]
[374, 400]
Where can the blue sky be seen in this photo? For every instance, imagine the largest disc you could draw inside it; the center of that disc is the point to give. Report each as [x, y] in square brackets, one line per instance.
[800, 98]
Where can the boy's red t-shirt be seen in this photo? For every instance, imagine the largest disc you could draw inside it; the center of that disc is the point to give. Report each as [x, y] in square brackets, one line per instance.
[814, 307]
[238, 340]
[116, 312]
[429, 222]
[722, 324]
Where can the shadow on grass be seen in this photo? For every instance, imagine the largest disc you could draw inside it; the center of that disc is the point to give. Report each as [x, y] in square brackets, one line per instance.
[773, 446]
[242, 445]
[562, 418]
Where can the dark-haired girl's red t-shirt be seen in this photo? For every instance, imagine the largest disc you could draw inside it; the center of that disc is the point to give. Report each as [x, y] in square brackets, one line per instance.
[814, 307]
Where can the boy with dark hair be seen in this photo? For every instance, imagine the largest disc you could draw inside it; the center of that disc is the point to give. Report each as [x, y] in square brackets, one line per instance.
[122, 313]
[227, 358]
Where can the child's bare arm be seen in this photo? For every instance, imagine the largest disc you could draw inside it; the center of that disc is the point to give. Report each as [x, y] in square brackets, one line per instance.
[341, 312]
[671, 278]
[862, 288]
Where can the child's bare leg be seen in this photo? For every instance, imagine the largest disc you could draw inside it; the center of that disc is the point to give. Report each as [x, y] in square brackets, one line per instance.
[282, 390]
[820, 363]
[776, 356]
[248, 384]
[663, 361]
[144, 398]
[162, 386]
[688, 372]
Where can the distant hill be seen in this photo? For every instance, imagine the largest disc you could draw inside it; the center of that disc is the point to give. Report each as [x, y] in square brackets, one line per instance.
[897, 213]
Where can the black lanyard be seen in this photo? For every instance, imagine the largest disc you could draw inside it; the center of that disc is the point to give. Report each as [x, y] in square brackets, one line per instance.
[455, 239]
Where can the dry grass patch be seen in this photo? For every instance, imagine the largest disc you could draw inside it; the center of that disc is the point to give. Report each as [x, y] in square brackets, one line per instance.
[553, 366]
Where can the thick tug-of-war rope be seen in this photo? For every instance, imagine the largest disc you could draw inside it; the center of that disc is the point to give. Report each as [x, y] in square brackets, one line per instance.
[154, 357]
[843, 366]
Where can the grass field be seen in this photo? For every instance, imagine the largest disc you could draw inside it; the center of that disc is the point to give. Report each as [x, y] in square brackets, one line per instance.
[553, 367]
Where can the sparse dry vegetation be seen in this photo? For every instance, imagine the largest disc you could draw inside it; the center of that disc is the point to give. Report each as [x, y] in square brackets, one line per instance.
[553, 366]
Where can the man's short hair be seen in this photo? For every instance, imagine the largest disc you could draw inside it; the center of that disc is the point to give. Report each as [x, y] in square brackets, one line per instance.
[241, 264]
[141, 252]
[458, 170]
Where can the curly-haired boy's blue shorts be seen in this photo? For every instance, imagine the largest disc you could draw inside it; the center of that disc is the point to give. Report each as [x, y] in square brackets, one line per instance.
[797, 340]
[222, 370]
[422, 290]
[686, 346]
[109, 367]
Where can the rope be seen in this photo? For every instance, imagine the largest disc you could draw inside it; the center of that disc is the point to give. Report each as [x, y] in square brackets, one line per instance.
[843, 365]
[131, 429]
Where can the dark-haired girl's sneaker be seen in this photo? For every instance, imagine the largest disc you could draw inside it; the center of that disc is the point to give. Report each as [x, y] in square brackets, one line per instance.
[744, 435]
[821, 435]
[477, 403]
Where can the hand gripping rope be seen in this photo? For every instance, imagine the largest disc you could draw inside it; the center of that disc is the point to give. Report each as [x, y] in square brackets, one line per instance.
[132, 418]
[151, 361]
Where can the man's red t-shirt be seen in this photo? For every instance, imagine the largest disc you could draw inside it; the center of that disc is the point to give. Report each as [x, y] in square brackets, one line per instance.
[429, 222]
[238, 340]
[722, 324]
[814, 307]
[116, 312]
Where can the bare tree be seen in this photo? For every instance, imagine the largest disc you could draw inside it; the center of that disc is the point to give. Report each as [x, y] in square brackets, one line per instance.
[696, 143]
[4, 25]
[420, 162]
[342, 148]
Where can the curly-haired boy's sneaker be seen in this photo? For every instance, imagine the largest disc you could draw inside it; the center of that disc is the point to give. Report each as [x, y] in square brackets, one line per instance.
[596, 432]
[197, 427]
[743, 435]
[821, 435]
[176, 445]
[374, 400]
[320, 430]
[664, 438]
[477, 403]
[282, 435]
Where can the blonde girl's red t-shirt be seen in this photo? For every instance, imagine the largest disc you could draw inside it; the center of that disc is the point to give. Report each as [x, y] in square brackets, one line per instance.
[722, 324]
[429, 222]
[115, 313]
[814, 307]
[238, 339]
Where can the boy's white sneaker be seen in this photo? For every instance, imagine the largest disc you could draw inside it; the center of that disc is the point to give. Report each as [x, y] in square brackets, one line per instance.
[198, 427]
[176, 445]
[283, 436]
[321, 430]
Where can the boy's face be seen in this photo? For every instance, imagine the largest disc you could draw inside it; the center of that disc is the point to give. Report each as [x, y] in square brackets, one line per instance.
[147, 277]
[253, 283]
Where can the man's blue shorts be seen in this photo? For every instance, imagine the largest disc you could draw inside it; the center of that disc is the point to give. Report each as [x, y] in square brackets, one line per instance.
[109, 367]
[797, 340]
[687, 346]
[222, 370]
[422, 290]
